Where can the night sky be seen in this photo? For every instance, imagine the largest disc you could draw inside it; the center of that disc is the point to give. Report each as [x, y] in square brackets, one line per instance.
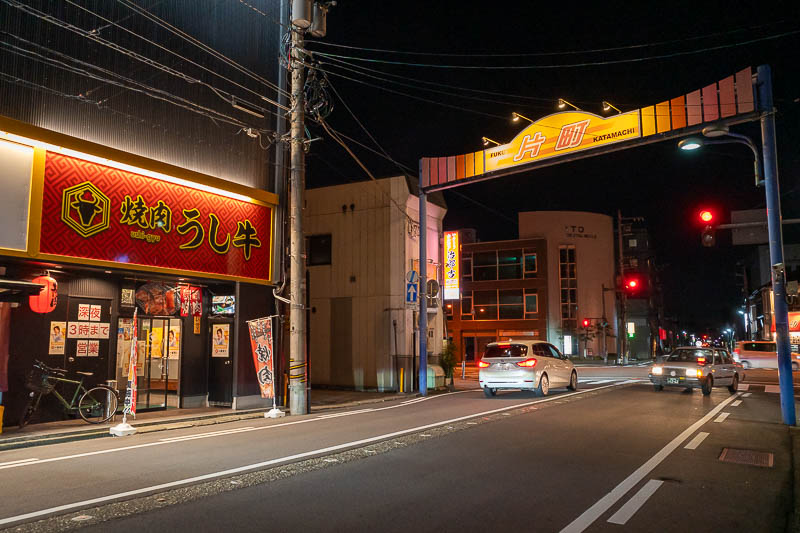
[703, 43]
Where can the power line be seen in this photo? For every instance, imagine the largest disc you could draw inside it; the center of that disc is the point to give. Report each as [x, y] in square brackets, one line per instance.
[565, 65]
[541, 54]
[93, 37]
[164, 48]
[180, 33]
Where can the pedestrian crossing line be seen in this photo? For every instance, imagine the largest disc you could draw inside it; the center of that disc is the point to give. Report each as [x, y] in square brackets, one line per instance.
[775, 389]
[747, 394]
[743, 386]
[722, 417]
[736, 403]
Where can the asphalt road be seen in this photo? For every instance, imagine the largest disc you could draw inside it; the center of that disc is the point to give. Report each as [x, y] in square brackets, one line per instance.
[570, 462]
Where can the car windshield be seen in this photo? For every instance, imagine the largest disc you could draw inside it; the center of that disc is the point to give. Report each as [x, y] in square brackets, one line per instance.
[506, 350]
[689, 356]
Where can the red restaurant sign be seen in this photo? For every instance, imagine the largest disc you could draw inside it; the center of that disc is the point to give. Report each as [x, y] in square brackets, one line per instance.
[103, 213]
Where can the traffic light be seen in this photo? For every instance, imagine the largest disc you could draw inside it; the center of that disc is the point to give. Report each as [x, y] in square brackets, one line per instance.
[586, 322]
[632, 285]
[707, 237]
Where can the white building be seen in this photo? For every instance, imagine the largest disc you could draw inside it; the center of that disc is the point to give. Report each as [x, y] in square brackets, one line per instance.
[362, 239]
[580, 257]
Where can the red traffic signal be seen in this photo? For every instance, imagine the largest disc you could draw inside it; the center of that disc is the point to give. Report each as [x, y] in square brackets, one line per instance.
[632, 284]
[706, 216]
[586, 322]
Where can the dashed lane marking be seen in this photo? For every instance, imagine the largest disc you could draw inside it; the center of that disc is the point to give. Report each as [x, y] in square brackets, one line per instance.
[736, 403]
[722, 417]
[634, 504]
[695, 442]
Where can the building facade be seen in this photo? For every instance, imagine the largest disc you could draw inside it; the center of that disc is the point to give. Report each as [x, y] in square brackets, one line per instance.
[363, 239]
[580, 281]
[503, 296]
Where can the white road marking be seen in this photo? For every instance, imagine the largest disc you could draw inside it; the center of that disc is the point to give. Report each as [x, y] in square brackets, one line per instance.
[347, 413]
[737, 403]
[604, 504]
[209, 434]
[600, 381]
[255, 466]
[722, 417]
[743, 386]
[19, 461]
[775, 389]
[695, 442]
[747, 394]
[634, 504]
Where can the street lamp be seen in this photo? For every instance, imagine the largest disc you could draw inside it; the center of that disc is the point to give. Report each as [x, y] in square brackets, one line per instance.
[766, 111]
[717, 133]
[609, 105]
[516, 116]
[487, 140]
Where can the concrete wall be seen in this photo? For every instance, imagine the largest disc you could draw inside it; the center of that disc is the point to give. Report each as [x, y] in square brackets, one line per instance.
[593, 237]
[356, 299]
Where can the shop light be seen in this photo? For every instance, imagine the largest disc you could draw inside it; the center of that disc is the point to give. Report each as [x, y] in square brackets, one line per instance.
[122, 166]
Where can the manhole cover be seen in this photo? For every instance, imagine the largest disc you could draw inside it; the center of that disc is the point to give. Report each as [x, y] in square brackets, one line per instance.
[747, 457]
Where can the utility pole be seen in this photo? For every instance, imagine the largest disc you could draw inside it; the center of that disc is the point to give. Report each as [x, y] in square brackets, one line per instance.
[297, 316]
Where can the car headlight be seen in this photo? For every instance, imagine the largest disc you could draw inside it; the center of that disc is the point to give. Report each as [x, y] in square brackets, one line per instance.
[694, 372]
[657, 370]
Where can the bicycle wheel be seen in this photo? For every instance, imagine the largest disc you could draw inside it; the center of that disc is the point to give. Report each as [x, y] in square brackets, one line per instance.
[28, 409]
[98, 404]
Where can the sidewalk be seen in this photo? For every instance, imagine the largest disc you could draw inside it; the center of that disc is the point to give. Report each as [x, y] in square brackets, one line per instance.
[70, 430]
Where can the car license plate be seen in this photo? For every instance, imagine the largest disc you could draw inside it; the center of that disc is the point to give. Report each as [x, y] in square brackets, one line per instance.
[672, 381]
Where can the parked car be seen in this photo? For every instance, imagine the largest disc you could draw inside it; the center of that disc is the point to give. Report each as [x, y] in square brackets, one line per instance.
[692, 368]
[525, 365]
[761, 354]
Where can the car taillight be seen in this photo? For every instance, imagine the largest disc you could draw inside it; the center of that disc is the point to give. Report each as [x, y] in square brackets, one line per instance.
[701, 361]
[483, 364]
[527, 363]
[736, 352]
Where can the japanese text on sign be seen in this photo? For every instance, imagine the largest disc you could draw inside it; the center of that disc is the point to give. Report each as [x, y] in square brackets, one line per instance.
[451, 265]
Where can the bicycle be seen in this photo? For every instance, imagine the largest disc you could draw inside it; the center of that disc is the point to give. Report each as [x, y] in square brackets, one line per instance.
[96, 405]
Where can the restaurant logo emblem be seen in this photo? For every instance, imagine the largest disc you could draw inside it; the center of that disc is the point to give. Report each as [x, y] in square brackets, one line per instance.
[85, 209]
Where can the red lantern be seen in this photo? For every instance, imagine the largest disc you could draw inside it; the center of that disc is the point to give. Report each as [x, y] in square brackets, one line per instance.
[46, 300]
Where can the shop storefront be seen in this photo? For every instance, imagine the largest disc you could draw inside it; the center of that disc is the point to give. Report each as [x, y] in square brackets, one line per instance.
[117, 233]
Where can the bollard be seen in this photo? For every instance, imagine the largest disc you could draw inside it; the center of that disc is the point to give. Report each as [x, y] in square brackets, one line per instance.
[112, 384]
[463, 369]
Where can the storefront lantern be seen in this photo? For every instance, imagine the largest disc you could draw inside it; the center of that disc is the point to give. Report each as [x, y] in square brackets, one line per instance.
[46, 300]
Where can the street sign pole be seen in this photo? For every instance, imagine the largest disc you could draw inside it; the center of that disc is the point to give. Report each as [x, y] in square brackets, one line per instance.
[772, 190]
[421, 295]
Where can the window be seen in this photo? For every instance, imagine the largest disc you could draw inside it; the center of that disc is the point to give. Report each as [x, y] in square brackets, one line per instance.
[466, 307]
[555, 351]
[531, 304]
[466, 266]
[531, 268]
[541, 350]
[319, 250]
[510, 264]
[568, 280]
[506, 350]
[484, 266]
[510, 304]
[485, 305]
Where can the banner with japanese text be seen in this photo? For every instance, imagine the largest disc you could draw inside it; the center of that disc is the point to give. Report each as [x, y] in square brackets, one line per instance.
[261, 343]
[98, 212]
[452, 252]
[130, 393]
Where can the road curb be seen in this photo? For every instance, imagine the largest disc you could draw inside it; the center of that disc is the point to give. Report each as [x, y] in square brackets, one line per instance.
[793, 523]
[29, 441]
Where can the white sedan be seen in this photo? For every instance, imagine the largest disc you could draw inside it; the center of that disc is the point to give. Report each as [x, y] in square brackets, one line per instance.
[526, 365]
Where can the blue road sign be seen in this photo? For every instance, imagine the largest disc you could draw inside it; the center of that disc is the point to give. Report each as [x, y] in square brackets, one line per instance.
[411, 293]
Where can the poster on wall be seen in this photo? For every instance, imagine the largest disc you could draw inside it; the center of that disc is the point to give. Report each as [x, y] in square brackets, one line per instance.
[57, 334]
[82, 349]
[219, 342]
[261, 343]
[174, 342]
[156, 341]
[93, 349]
[124, 332]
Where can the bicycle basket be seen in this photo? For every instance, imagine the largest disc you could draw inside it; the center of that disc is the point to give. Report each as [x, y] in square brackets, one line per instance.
[38, 382]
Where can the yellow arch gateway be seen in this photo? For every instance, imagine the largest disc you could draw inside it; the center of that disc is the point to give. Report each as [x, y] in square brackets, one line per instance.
[730, 100]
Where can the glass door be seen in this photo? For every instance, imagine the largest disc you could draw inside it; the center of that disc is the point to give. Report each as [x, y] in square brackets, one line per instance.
[158, 361]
